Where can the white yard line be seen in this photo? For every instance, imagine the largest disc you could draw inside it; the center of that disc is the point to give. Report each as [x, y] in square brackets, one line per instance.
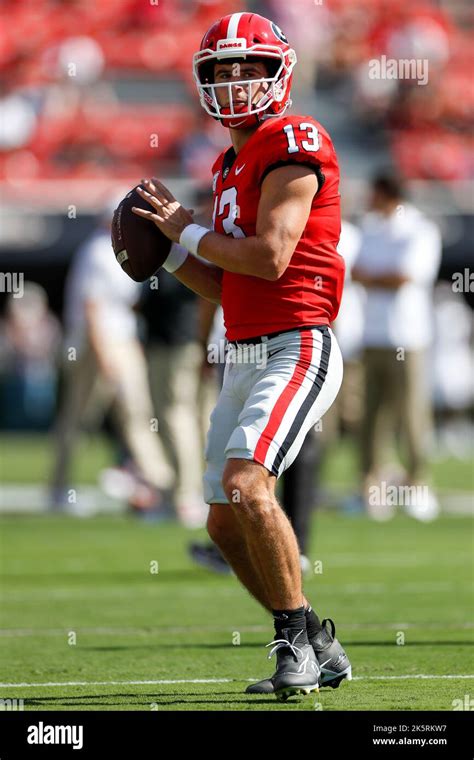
[207, 680]
[399, 678]
[79, 593]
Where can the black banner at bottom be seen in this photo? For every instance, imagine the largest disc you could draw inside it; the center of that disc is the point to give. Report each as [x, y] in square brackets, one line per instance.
[217, 734]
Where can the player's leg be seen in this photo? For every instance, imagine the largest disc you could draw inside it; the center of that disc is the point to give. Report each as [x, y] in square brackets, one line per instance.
[226, 531]
[297, 503]
[250, 488]
[222, 524]
[272, 545]
[299, 390]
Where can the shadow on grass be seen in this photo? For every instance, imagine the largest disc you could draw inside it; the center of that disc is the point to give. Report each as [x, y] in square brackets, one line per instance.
[167, 645]
[163, 699]
[261, 645]
[103, 576]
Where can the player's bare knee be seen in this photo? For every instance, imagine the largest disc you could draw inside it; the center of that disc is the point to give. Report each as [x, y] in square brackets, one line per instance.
[239, 487]
[250, 498]
[216, 528]
[242, 480]
[258, 510]
[221, 524]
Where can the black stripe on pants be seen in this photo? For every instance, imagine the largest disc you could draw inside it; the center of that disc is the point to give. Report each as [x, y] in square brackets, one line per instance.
[308, 401]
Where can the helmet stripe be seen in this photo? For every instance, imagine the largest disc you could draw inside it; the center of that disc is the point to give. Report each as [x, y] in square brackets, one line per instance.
[233, 25]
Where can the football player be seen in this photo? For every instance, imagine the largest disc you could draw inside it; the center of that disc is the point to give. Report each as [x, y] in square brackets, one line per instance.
[271, 261]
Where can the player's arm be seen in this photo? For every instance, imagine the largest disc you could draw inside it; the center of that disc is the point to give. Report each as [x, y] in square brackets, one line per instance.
[283, 211]
[200, 277]
[419, 262]
[387, 281]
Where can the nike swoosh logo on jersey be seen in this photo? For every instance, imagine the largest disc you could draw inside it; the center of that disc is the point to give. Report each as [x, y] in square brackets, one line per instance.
[238, 169]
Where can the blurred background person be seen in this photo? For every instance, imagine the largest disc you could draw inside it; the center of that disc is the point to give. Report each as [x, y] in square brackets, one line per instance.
[17, 117]
[452, 372]
[30, 338]
[341, 424]
[345, 415]
[398, 263]
[103, 355]
[175, 356]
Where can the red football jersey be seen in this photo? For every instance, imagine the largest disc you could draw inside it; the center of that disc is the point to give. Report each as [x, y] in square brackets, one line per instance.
[309, 291]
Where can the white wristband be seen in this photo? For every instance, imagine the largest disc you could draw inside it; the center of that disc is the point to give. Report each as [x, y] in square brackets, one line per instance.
[176, 257]
[191, 237]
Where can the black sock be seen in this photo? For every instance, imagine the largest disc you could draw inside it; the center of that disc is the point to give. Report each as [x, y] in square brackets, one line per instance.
[313, 623]
[292, 620]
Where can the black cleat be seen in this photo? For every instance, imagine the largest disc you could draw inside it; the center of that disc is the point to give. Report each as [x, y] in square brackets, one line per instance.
[332, 660]
[297, 669]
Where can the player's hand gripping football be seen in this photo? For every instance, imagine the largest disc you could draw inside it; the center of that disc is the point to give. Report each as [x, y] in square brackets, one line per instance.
[168, 214]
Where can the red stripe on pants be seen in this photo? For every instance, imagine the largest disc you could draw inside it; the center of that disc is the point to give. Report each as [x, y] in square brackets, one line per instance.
[286, 397]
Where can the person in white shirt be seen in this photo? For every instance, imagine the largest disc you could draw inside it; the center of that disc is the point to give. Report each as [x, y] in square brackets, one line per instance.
[102, 351]
[398, 264]
[347, 410]
[349, 325]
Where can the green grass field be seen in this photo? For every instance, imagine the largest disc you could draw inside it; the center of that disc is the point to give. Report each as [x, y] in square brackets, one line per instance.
[82, 611]
[169, 640]
[27, 459]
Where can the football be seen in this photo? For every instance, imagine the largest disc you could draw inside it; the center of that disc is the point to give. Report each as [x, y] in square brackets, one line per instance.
[139, 246]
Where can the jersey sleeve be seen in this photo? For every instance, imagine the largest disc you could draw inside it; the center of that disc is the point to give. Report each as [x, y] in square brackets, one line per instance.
[294, 140]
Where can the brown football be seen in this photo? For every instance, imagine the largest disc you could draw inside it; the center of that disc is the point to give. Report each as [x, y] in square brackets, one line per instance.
[139, 246]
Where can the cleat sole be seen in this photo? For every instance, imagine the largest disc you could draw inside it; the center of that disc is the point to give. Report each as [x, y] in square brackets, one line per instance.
[292, 691]
[335, 682]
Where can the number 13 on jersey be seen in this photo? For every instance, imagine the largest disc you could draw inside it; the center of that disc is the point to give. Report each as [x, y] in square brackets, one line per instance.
[311, 144]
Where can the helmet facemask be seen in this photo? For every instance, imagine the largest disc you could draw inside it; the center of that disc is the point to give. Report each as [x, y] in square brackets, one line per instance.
[279, 65]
